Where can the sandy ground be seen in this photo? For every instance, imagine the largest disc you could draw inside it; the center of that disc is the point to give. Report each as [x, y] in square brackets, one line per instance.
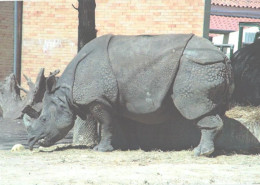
[84, 166]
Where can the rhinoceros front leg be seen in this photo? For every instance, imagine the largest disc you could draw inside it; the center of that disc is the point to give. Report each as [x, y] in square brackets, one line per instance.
[85, 132]
[104, 116]
[210, 127]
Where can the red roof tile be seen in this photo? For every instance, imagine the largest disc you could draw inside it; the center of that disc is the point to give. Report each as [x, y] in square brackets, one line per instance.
[228, 23]
[238, 3]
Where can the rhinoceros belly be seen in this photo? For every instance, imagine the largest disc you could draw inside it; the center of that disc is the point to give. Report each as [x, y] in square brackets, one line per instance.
[144, 67]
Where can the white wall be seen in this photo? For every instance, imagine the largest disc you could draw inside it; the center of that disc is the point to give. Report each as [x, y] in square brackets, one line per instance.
[233, 37]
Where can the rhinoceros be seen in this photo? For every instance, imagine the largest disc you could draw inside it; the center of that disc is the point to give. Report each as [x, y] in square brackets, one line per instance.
[145, 78]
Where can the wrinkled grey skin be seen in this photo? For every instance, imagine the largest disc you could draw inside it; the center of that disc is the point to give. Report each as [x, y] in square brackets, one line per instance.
[143, 78]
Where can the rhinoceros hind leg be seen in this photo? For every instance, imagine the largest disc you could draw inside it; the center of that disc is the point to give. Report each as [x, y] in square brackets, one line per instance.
[210, 127]
[104, 116]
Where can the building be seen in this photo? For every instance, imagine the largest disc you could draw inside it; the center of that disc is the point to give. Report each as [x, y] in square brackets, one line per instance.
[49, 28]
[226, 16]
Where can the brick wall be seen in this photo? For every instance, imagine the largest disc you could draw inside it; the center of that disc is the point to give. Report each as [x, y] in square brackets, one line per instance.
[49, 36]
[6, 38]
[50, 27]
[149, 16]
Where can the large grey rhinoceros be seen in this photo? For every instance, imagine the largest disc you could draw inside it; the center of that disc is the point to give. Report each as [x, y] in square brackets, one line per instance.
[143, 78]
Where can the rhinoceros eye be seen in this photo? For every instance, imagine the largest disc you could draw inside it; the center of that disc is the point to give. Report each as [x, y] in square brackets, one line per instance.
[43, 119]
[62, 107]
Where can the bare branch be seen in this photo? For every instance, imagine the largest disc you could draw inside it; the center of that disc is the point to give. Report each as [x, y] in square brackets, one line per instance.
[21, 88]
[26, 78]
[29, 82]
[74, 7]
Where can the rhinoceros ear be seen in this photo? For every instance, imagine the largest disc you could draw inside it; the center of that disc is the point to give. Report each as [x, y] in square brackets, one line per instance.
[51, 82]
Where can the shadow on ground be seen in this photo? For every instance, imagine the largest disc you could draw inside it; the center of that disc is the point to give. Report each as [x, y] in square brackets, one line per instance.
[182, 134]
[178, 135]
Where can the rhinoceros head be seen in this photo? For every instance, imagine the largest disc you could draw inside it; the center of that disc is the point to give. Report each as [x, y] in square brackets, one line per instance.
[56, 118]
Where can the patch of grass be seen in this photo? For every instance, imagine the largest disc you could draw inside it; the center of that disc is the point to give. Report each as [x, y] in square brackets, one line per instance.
[248, 113]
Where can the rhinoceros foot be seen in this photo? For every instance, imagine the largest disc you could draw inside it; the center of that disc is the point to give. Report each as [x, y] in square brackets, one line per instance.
[204, 149]
[103, 147]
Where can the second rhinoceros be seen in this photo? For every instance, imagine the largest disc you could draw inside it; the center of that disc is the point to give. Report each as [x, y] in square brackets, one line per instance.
[143, 78]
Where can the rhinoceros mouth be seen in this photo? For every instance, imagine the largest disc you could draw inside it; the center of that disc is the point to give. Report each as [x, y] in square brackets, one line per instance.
[44, 142]
[32, 141]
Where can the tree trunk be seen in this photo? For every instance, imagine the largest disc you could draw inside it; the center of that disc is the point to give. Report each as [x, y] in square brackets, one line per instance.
[85, 131]
[87, 28]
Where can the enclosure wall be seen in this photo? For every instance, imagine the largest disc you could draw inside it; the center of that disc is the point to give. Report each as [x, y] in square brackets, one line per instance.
[50, 27]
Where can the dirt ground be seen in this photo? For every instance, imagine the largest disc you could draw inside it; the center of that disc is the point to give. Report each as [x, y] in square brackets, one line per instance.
[84, 166]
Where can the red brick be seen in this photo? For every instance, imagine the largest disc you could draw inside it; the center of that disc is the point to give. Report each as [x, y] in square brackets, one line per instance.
[45, 21]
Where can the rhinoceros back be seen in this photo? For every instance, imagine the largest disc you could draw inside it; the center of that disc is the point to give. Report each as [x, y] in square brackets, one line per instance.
[145, 67]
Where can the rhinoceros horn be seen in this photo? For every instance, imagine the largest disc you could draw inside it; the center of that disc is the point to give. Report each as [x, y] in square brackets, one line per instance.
[27, 120]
